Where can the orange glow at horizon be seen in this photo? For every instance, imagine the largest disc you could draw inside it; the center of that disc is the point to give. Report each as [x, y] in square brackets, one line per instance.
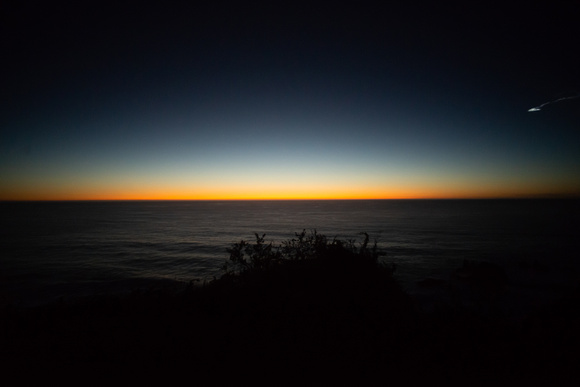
[416, 191]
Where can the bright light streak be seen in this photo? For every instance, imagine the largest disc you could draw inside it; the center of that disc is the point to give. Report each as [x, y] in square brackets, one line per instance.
[538, 108]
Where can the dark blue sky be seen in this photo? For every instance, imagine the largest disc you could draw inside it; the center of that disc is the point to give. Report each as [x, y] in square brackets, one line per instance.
[129, 101]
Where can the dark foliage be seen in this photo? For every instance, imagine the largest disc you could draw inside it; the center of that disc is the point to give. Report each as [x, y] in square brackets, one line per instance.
[261, 256]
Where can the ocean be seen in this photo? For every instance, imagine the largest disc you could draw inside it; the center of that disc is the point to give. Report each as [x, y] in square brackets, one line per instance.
[56, 250]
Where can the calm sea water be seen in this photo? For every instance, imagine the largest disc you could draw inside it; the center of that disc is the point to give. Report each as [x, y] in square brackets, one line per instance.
[55, 249]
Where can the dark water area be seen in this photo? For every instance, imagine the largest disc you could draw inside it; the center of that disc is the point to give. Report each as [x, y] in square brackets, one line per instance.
[67, 249]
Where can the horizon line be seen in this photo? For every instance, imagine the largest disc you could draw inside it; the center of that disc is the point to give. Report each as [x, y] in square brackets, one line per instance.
[547, 197]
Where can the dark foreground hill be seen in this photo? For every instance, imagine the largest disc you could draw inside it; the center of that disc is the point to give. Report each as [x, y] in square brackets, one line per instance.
[309, 312]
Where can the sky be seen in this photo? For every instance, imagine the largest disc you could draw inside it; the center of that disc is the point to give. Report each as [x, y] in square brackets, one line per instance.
[126, 101]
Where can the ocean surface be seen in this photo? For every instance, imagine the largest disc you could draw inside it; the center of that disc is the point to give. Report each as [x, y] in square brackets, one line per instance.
[51, 250]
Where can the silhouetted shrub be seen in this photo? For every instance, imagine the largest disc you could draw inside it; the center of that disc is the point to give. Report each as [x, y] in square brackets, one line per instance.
[246, 257]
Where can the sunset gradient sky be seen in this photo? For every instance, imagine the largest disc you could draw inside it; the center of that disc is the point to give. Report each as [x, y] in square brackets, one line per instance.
[297, 102]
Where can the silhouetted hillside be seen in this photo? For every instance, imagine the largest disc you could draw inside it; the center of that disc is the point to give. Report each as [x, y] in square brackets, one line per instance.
[308, 312]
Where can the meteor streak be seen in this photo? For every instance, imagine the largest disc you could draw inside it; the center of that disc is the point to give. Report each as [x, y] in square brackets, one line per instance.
[538, 108]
